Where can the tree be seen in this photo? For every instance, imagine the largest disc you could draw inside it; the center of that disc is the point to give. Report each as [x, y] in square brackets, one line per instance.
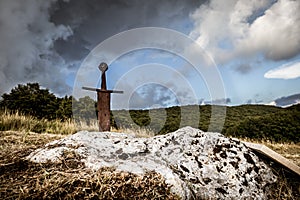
[84, 108]
[32, 100]
[64, 111]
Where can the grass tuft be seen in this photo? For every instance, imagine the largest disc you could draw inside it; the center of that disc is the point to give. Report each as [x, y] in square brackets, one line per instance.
[18, 122]
[137, 132]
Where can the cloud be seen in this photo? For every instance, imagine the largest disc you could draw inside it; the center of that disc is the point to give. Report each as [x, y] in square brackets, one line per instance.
[27, 37]
[152, 95]
[243, 68]
[222, 101]
[254, 101]
[151, 85]
[249, 101]
[288, 100]
[96, 20]
[237, 29]
[45, 41]
[287, 71]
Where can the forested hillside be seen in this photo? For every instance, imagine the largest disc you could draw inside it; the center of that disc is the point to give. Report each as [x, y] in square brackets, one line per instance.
[246, 121]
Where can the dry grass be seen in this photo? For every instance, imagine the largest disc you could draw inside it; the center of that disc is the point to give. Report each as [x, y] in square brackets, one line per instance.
[290, 151]
[61, 182]
[15, 145]
[137, 132]
[23, 123]
[18, 122]
[20, 179]
[92, 125]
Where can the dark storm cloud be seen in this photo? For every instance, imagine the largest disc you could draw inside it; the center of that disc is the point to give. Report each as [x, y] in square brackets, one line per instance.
[45, 41]
[96, 20]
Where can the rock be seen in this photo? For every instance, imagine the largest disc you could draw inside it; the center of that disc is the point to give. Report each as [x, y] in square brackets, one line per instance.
[197, 164]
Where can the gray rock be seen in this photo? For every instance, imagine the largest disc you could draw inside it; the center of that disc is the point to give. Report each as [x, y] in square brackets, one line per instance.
[197, 164]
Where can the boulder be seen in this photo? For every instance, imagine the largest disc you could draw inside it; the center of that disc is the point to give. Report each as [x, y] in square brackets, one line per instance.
[197, 164]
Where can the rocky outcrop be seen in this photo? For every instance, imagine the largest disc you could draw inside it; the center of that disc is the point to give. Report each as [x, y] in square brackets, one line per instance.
[197, 164]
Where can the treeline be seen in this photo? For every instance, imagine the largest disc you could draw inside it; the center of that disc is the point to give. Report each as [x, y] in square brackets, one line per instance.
[31, 99]
[247, 121]
[281, 126]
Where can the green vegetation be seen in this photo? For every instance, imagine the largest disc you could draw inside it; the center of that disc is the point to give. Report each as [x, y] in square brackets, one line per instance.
[258, 122]
[282, 126]
[30, 99]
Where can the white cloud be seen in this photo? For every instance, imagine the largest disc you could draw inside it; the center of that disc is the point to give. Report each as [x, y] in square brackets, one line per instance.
[277, 32]
[241, 28]
[288, 71]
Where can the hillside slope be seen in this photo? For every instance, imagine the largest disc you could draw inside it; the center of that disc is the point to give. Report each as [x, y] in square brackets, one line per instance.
[246, 121]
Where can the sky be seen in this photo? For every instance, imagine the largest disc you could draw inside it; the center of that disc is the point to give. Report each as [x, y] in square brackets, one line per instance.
[160, 53]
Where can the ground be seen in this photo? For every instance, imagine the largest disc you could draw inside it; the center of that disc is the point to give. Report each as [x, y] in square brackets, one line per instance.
[20, 179]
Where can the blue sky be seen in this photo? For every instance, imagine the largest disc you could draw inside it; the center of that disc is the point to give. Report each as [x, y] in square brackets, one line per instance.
[254, 48]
